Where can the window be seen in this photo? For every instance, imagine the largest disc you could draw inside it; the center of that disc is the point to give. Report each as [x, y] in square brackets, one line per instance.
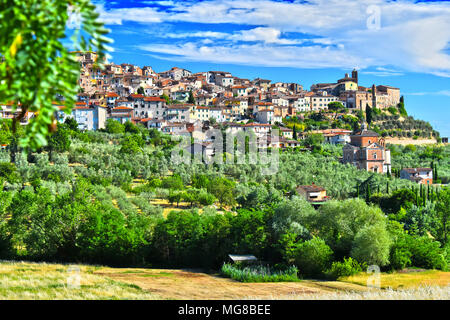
[374, 155]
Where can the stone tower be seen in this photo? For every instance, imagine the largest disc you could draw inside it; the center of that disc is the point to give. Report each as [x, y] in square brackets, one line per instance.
[355, 75]
[374, 96]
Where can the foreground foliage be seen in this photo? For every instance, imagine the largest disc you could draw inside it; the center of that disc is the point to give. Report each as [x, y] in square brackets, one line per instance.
[259, 273]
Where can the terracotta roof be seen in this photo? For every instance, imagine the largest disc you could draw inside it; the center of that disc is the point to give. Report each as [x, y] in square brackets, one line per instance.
[257, 125]
[416, 170]
[367, 133]
[154, 99]
[310, 188]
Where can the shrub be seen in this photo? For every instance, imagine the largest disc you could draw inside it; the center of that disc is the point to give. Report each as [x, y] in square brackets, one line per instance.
[346, 268]
[259, 273]
[9, 172]
[313, 257]
[421, 252]
[400, 258]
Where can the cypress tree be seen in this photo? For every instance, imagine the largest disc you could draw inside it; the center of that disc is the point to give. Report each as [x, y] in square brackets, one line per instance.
[368, 193]
[387, 187]
[424, 198]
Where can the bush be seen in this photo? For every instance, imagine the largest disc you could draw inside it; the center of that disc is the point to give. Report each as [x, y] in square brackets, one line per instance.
[313, 257]
[346, 268]
[259, 273]
[400, 258]
[420, 252]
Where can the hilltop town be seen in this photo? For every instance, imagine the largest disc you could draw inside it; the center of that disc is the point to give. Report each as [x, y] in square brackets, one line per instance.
[132, 93]
[179, 102]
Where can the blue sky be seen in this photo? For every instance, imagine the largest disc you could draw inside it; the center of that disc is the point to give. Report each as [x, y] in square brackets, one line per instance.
[405, 44]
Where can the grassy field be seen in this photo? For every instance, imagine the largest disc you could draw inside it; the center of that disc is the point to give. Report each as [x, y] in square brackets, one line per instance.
[404, 279]
[41, 281]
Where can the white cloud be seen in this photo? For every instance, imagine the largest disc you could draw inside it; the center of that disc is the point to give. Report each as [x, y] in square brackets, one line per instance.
[200, 34]
[258, 55]
[118, 15]
[384, 72]
[267, 35]
[435, 93]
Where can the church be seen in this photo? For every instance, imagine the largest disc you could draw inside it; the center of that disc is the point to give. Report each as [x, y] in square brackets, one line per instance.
[367, 151]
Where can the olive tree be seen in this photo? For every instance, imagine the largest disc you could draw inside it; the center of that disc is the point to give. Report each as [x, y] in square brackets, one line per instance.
[36, 64]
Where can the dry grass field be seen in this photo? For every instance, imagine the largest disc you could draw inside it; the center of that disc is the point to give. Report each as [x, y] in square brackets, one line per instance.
[405, 279]
[41, 281]
[193, 284]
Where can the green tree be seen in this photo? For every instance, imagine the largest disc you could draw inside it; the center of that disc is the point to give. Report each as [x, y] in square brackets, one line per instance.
[371, 245]
[132, 144]
[114, 126]
[71, 124]
[222, 189]
[369, 114]
[340, 221]
[191, 98]
[174, 182]
[443, 215]
[314, 139]
[212, 121]
[401, 107]
[166, 97]
[313, 257]
[37, 65]
[293, 217]
[131, 128]
[59, 141]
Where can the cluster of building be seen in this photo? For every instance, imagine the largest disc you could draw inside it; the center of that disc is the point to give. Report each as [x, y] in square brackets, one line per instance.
[128, 92]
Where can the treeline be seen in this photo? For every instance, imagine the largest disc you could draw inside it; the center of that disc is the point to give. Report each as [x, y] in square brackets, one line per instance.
[85, 226]
[86, 197]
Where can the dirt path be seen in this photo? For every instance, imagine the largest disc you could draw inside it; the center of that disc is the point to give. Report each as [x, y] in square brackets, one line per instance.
[192, 284]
